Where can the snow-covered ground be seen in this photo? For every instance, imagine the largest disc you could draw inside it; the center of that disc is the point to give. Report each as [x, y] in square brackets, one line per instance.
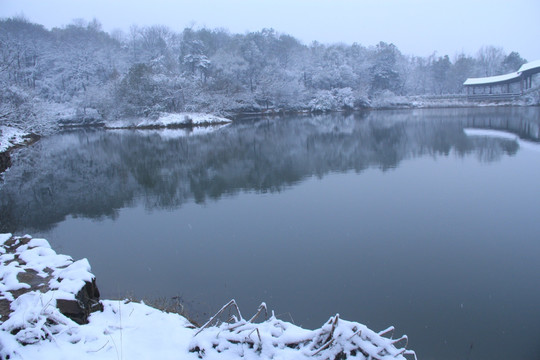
[36, 329]
[10, 136]
[168, 120]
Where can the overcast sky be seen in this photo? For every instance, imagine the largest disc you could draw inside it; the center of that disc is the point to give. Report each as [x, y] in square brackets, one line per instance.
[417, 27]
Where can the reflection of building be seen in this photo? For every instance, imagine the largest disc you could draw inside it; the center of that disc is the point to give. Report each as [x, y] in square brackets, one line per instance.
[503, 86]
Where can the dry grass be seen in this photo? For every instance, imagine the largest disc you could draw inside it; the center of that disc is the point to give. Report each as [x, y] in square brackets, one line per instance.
[173, 304]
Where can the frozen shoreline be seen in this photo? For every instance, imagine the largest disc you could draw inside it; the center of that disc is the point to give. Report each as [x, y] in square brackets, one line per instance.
[34, 327]
[11, 137]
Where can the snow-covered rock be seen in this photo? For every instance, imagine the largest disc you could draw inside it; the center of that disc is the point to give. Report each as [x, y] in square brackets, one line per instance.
[31, 269]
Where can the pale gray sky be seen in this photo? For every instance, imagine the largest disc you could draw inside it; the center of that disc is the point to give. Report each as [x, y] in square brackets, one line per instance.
[417, 27]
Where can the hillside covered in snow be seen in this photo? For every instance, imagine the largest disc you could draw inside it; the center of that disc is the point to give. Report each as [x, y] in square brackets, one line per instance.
[81, 75]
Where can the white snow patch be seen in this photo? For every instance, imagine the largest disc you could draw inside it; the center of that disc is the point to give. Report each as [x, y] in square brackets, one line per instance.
[10, 136]
[9, 279]
[166, 119]
[4, 238]
[121, 124]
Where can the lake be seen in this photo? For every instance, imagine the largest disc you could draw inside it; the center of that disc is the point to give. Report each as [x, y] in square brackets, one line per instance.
[427, 220]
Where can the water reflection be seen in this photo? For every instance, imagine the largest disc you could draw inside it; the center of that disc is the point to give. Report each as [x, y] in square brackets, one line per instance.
[95, 173]
[389, 218]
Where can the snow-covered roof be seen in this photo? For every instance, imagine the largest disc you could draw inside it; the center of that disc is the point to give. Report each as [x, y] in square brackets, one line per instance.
[491, 80]
[533, 65]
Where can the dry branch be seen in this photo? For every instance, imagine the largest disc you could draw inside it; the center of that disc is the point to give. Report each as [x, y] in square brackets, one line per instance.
[336, 339]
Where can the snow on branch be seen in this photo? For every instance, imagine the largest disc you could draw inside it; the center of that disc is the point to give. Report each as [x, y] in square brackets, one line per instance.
[274, 338]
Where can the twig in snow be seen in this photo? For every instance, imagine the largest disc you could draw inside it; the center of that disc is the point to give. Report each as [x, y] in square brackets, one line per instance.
[258, 334]
[410, 352]
[330, 338]
[44, 327]
[121, 331]
[404, 337]
[259, 311]
[389, 330]
[326, 342]
[115, 348]
[92, 351]
[230, 303]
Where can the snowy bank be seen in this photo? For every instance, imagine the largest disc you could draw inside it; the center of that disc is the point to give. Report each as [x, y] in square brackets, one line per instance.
[168, 120]
[11, 137]
[34, 327]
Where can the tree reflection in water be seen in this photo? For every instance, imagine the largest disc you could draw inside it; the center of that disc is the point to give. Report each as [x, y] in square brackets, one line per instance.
[93, 173]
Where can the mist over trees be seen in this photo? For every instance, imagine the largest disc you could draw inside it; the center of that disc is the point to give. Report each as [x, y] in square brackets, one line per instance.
[81, 73]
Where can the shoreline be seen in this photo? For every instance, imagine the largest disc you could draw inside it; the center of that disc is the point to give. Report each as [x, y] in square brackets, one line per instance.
[51, 309]
[31, 138]
[5, 156]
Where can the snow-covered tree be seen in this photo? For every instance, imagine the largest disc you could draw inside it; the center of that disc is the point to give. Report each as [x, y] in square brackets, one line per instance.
[440, 70]
[384, 74]
[512, 62]
[80, 71]
[490, 59]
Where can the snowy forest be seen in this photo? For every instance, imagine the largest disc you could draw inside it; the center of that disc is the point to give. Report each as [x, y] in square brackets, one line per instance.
[80, 73]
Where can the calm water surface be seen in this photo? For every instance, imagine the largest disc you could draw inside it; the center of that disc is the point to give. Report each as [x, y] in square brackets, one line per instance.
[387, 218]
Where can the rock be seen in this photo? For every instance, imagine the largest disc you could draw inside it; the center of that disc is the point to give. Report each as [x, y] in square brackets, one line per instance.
[5, 158]
[34, 276]
[87, 301]
[5, 161]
